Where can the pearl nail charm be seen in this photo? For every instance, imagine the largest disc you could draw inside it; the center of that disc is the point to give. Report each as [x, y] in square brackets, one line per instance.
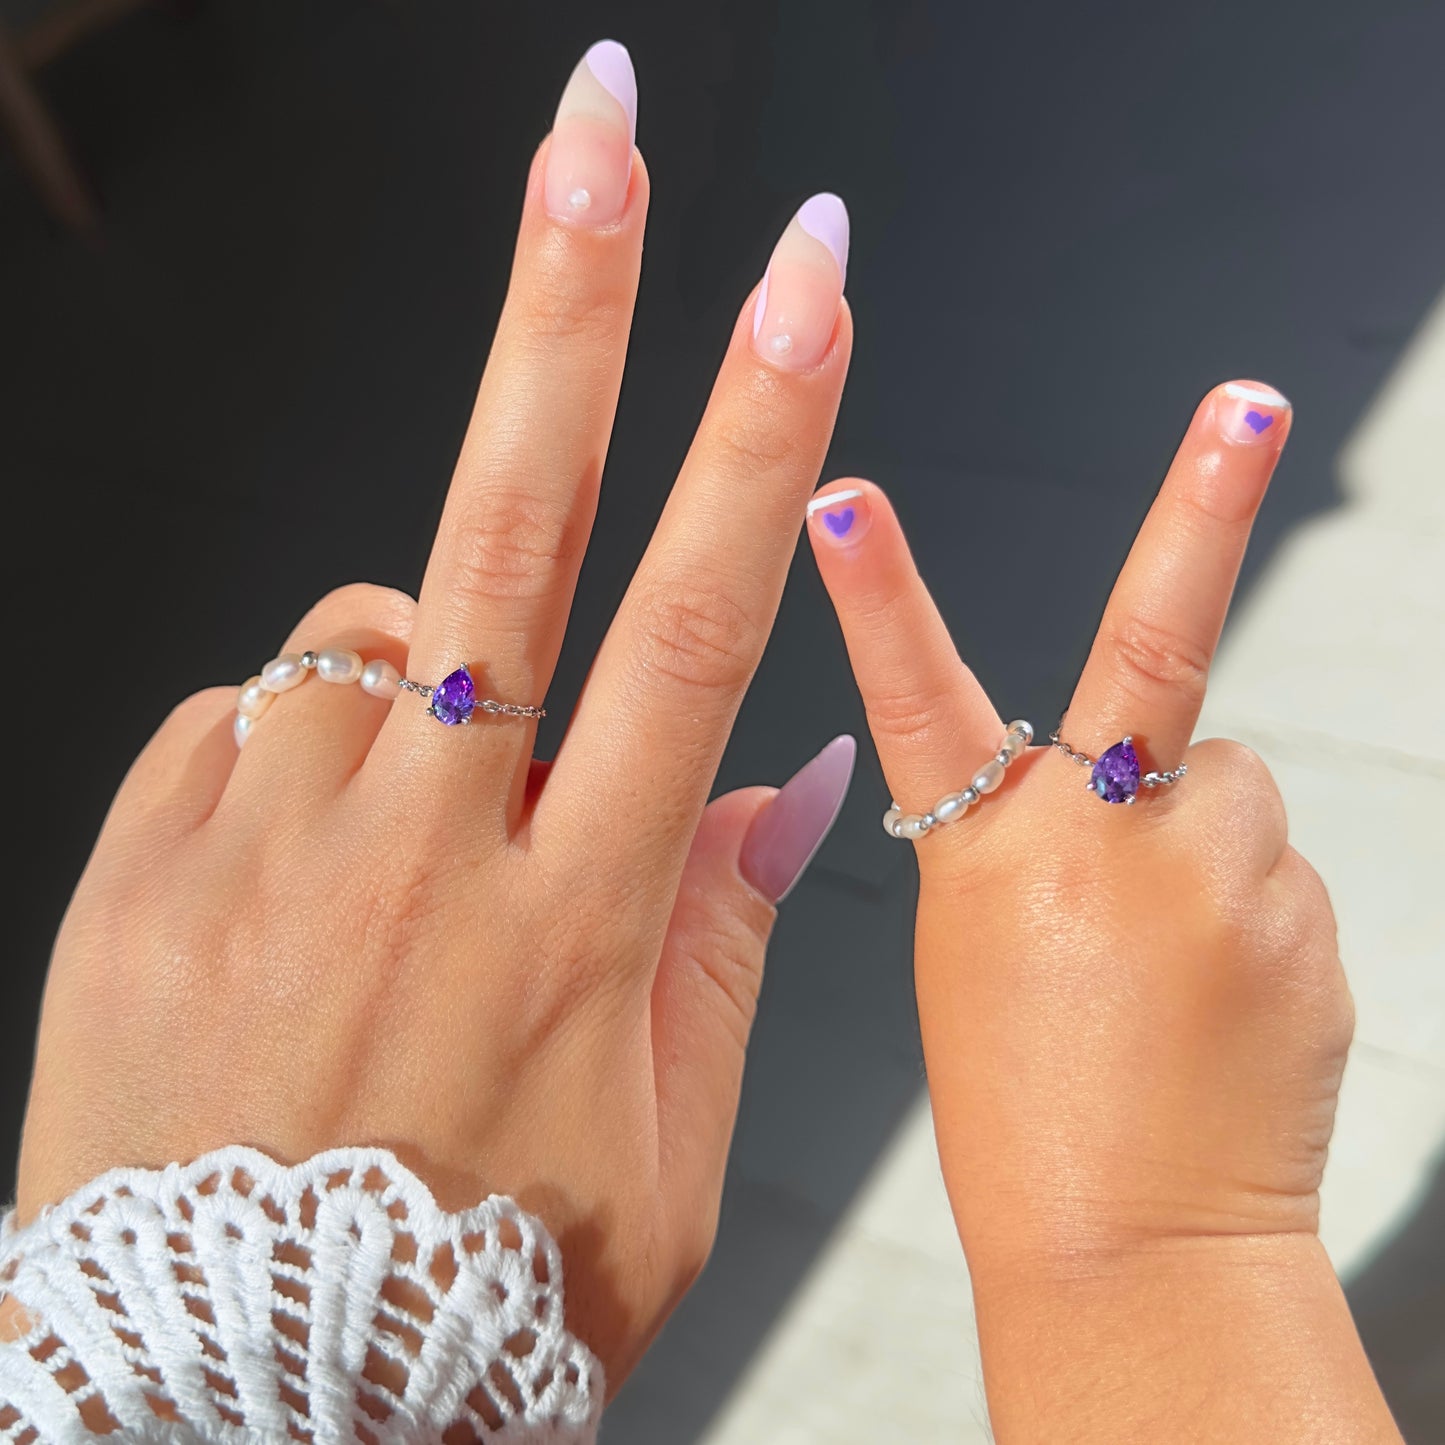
[380, 678]
[336, 664]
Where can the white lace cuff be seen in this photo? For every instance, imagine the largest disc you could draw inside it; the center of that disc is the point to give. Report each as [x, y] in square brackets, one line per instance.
[236, 1300]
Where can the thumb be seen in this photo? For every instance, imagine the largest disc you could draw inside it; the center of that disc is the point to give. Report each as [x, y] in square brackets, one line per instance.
[751, 847]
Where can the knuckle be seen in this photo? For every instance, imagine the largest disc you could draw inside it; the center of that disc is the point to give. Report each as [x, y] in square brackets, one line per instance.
[761, 436]
[697, 635]
[906, 720]
[358, 604]
[515, 548]
[729, 958]
[198, 710]
[1160, 655]
[566, 303]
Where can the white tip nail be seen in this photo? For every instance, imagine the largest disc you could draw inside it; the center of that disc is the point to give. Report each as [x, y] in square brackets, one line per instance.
[1264, 395]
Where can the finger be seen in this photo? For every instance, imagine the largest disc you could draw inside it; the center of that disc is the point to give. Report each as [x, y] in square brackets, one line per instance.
[504, 566]
[655, 714]
[176, 782]
[1236, 807]
[1147, 671]
[932, 723]
[750, 850]
[314, 736]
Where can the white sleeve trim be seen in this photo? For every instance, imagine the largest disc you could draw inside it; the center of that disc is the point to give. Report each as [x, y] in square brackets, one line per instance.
[238, 1300]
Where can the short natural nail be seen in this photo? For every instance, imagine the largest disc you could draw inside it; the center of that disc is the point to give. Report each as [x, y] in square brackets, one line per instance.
[797, 306]
[787, 833]
[841, 518]
[589, 161]
[1251, 413]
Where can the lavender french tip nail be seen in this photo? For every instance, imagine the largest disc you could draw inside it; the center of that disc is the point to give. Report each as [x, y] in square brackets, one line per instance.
[825, 218]
[787, 834]
[612, 65]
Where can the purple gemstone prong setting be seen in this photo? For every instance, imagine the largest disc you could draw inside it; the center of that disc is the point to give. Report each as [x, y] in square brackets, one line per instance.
[453, 701]
[952, 806]
[1115, 775]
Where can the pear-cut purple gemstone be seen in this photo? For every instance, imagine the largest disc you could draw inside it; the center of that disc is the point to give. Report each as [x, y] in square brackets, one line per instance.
[1116, 775]
[454, 698]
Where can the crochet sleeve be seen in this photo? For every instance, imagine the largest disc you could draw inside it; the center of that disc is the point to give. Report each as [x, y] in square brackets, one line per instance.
[234, 1300]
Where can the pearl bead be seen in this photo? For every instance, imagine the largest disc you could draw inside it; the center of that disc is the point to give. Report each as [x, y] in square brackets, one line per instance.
[253, 699]
[241, 728]
[890, 822]
[336, 664]
[1023, 729]
[380, 678]
[1012, 746]
[283, 673]
[989, 776]
[911, 825]
[955, 805]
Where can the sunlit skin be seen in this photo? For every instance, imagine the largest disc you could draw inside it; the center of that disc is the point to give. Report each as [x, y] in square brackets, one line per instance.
[366, 928]
[1134, 1016]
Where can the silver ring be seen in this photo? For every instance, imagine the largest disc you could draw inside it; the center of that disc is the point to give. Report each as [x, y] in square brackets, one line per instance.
[1115, 775]
[952, 806]
[454, 701]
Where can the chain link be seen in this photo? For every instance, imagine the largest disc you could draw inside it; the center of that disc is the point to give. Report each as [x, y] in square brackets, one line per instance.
[1149, 780]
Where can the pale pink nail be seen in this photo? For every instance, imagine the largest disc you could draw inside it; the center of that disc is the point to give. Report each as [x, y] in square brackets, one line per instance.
[589, 160]
[797, 306]
[784, 837]
[1251, 413]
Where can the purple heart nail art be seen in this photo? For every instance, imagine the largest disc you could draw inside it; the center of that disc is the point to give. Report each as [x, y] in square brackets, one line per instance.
[839, 522]
[1257, 421]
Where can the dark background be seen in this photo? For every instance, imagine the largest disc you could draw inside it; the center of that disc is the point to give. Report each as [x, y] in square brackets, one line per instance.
[1068, 222]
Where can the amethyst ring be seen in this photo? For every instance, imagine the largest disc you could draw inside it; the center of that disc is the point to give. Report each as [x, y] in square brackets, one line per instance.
[1115, 775]
[454, 700]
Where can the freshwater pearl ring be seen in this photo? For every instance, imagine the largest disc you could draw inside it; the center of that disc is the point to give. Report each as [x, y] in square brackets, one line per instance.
[952, 806]
[452, 702]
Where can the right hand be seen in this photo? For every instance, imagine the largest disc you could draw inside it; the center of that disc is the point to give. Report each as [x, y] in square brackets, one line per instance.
[1134, 1017]
[367, 928]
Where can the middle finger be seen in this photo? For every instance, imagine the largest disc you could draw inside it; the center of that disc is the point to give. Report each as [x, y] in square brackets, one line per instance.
[503, 569]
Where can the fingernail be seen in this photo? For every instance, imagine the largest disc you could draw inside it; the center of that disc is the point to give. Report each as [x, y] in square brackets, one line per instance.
[1251, 413]
[797, 305]
[841, 518]
[790, 830]
[589, 162]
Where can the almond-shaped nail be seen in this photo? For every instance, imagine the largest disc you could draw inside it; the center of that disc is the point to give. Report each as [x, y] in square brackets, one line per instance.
[797, 306]
[1251, 413]
[840, 518]
[784, 837]
[589, 160]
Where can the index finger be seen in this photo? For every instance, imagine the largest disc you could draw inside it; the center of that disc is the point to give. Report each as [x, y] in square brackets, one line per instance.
[1148, 668]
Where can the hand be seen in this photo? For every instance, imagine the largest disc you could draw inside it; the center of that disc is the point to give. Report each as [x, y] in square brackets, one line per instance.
[1134, 1017]
[366, 928]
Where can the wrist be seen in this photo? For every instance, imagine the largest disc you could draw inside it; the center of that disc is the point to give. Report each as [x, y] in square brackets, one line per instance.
[1220, 1338]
